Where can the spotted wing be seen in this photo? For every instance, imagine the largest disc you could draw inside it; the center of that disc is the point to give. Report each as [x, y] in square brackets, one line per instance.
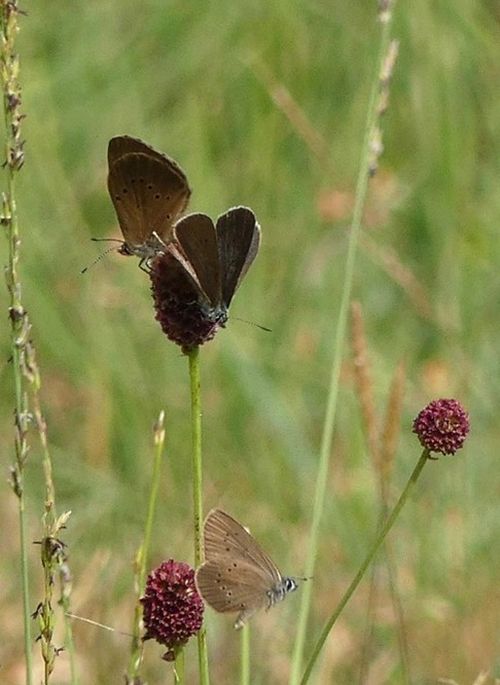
[148, 190]
[225, 538]
[238, 238]
[229, 585]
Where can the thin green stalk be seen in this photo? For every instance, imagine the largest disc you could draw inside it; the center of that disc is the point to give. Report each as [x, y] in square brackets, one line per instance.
[366, 168]
[142, 555]
[179, 667]
[14, 158]
[245, 655]
[369, 558]
[194, 377]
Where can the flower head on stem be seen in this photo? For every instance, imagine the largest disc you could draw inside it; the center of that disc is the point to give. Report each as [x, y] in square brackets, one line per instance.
[442, 426]
[194, 279]
[172, 607]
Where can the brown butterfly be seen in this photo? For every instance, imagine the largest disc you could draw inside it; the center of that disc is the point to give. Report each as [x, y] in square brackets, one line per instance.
[149, 192]
[238, 576]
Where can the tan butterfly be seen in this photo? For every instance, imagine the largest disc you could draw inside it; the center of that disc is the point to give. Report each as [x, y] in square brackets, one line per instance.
[149, 192]
[238, 576]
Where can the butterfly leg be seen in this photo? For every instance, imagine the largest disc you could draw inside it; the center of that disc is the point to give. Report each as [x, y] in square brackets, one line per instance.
[145, 265]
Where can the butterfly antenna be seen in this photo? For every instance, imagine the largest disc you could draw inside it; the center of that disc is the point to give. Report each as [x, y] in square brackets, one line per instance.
[103, 254]
[252, 323]
[97, 624]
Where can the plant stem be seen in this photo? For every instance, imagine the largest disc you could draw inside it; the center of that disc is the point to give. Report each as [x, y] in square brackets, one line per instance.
[179, 667]
[14, 158]
[197, 473]
[326, 438]
[142, 555]
[245, 655]
[369, 558]
[194, 376]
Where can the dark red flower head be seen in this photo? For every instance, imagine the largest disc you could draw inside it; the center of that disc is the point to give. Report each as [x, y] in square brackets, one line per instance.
[185, 316]
[442, 426]
[172, 607]
[194, 279]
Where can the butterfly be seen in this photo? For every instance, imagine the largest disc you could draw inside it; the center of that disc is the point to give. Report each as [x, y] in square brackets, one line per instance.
[149, 192]
[194, 280]
[237, 575]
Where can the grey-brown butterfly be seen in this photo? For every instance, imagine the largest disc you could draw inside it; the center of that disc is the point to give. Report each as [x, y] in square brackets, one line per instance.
[149, 192]
[238, 576]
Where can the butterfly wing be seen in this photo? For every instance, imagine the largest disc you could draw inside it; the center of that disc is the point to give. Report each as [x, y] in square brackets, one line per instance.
[196, 236]
[225, 538]
[238, 238]
[229, 585]
[123, 145]
[148, 189]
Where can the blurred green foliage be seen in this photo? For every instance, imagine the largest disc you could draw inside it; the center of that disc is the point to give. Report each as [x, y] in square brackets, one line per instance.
[204, 82]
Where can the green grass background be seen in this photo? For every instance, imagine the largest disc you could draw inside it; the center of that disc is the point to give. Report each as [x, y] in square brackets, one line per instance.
[187, 77]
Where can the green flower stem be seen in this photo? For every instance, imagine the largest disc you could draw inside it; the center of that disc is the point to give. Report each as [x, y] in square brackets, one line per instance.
[366, 563]
[142, 555]
[194, 377]
[245, 655]
[179, 667]
[326, 438]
